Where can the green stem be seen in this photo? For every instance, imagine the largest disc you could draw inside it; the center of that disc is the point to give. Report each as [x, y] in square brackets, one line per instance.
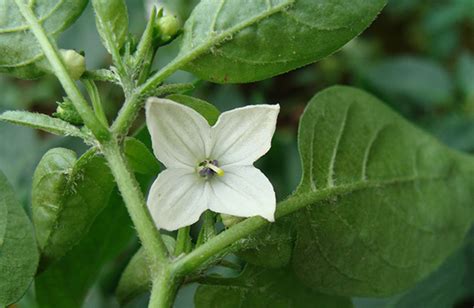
[136, 103]
[133, 104]
[206, 251]
[164, 290]
[136, 205]
[52, 54]
[218, 244]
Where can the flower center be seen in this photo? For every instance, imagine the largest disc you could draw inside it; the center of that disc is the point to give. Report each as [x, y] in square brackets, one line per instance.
[208, 168]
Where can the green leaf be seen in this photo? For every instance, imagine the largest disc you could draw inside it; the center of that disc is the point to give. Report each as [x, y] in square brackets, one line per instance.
[465, 76]
[271, 247]
[67, 196]
[257, 287]
[141, 160]
[136, 278]
[243, 41]
[448, 286]
[42, 122]
[20, 51]
[207, 110]
[411, 81]
[382, 203]
[67, 282]
[18, 162]
[112, 22]
[18, 250]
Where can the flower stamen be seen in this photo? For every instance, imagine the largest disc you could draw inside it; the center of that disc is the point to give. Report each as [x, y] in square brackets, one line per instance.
[208, 168]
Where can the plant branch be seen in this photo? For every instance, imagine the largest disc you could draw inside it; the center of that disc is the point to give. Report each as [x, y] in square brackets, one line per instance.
[136, 205]
[52, 54]
[164, 290]
[218, 244]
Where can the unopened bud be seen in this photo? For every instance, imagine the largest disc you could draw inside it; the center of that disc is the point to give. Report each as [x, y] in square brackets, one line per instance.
[167, 27]
[229, 220]
[75, 63]
[67, 112]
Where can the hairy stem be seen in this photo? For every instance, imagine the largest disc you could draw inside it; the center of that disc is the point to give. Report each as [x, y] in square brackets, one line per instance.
[136, 205]
[163, 291]
[90, 120]
[218, 244]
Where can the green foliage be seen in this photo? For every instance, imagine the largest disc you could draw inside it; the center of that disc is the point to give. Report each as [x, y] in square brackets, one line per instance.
[136, 278]
[261, 39]
[450, 283]
[141, 160]
[42, 122]
[257, 287]
[67, 112]
[271, 247]
[411, 81]
[67, 196]
[380, 206]
[18, 251]
[21, 54]
[207, 110]
[394, 199]
[465, 77]
[112, 23]
[67, 282]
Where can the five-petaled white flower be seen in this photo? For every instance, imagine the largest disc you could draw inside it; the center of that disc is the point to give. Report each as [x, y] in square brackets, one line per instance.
[209, 167]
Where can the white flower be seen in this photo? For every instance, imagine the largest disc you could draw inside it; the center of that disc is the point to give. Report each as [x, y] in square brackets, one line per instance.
[209, 167]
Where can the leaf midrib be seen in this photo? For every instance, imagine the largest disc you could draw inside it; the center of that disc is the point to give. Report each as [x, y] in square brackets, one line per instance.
[206, 45]
[302, 198]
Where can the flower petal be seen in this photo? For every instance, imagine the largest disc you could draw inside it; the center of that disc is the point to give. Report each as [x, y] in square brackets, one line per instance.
[243, 191]
[243, 135]
[180, 135]
[177, 198]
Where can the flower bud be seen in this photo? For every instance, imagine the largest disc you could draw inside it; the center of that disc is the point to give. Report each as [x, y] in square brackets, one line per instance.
[229, 220]
[67, 112]
[75, 63]
[168, 25]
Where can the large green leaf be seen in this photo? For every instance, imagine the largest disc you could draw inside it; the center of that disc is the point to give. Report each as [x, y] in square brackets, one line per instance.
[272, 246]
[67, 196]
[18, 251]
[258, 287]
[67, 282]
[243, 41]
[18, 46]
[448, 286]
[383, 203]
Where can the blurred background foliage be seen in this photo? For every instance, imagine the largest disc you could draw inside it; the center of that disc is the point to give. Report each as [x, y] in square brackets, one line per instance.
[418, 57]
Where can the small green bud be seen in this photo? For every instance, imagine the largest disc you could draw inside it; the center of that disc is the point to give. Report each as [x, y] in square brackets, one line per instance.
[167, 27]
[67, 112]
[229, 220]
[75, 63]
